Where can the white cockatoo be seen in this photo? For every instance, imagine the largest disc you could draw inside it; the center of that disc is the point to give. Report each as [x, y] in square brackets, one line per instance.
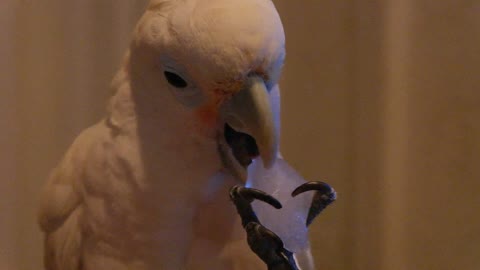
[194, 103]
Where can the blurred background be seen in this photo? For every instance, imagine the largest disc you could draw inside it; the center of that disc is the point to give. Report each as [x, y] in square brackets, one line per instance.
[379, 98]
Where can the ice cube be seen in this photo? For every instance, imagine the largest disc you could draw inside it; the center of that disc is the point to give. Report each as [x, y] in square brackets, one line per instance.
[289, 223]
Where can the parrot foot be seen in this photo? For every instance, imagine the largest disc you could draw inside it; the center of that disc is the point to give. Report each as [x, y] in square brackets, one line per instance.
[263, 242]
[324, 196]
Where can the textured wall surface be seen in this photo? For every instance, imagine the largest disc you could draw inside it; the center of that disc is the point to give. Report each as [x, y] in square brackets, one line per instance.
[380, 99]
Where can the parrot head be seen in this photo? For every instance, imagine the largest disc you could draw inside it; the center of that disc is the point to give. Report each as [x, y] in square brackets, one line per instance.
[215, 61]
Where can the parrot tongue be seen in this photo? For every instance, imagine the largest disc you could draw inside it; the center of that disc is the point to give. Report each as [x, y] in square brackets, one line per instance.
[244, 147]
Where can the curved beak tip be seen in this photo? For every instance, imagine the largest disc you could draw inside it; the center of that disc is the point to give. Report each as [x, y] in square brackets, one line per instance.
[268, 163]
[268, 153]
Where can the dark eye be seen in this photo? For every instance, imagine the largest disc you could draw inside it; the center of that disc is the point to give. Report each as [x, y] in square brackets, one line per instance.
[175, 80]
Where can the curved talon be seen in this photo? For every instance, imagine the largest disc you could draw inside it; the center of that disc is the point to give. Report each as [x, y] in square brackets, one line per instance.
[242, 198]
[313, 185]
[250, 194]
[323, 197]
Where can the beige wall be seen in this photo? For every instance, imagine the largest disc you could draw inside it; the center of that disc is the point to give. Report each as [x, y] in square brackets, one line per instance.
[380, 98]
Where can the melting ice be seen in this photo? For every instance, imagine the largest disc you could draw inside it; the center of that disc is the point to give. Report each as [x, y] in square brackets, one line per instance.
[289, 222]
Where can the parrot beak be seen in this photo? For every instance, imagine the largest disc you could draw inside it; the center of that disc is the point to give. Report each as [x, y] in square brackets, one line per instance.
[249, 125]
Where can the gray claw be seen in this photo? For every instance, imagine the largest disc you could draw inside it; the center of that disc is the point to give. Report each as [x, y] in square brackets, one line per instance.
[323, 197]
[250, 194]
[243, 197]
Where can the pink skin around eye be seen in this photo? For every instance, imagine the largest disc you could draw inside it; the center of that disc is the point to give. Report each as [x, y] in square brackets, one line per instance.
[208, 114]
